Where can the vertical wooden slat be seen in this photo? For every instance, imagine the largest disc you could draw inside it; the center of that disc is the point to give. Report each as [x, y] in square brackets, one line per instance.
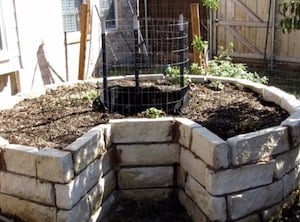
[83, 38]
[15, 82]
[195, 22]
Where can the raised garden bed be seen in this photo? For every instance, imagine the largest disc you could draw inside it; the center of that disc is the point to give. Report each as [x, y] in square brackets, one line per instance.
[247, 176]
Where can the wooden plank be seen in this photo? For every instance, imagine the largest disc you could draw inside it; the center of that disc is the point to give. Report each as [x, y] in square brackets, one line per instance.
[243, 23]
[15, 82]
[83, 39]
[246, 9]
[195, 20]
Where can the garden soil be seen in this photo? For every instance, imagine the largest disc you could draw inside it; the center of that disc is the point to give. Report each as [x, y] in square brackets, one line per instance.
[60, 116]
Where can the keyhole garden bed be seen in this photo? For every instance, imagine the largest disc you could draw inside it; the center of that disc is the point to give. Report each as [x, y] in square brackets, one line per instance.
[231, 154]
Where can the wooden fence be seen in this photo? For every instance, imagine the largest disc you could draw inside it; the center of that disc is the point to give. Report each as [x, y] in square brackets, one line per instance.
[253, 27]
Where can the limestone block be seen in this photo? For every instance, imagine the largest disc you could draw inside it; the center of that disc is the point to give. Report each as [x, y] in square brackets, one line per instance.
[14, 154]
[272, 213]
[148, 154]
[95, 197]
[255, 87]
[109, 183]
[233, 180]
[107, 134]
[3, 142]
[156, 194]
[104, 209]
[26, 210]
[274, 94]
[142, 130]
[290, 104]
[27, 188]
[291, 181]
[108, 160]
[244, 203]
[182, 175]
[145, 177]
[87, 148]
[192, 209]
[287, 161]
[67, 195]
[193, 165]
[259, 145]
[210, 148]
[55, 165]
[185, 131]
[293, 122]
[80, 212]
[250, 218]
[213, 207]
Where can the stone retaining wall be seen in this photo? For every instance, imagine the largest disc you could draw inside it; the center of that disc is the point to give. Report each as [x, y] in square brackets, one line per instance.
[249, 177]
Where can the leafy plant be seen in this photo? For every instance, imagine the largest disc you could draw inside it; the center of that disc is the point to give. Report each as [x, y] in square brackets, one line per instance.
[88, 95]
[202, 47]
[290, 13]
[216, 85]
[211, 4]
[173, 73]
[153, 112]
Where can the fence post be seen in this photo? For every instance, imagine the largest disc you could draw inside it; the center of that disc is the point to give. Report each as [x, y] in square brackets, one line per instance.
[195, 20]
[181, 50]
[136, 27]
[104, 71]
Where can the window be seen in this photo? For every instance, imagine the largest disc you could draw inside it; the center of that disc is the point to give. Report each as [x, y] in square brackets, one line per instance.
[3, 43]
[70, 11]
[108, 10]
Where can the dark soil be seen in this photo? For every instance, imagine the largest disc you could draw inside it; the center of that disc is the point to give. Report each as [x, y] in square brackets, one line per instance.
[59, 117]
[62, 115]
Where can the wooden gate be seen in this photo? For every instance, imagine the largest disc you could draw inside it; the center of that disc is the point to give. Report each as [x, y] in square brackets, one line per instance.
[252, 26]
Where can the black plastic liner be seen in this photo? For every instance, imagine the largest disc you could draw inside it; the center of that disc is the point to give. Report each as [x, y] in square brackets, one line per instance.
[130, 100]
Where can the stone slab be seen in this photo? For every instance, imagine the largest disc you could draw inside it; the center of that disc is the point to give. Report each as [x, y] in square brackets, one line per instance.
[108, 160]
[26, 210]
[259, 145]
[55, 165]
[80, 212]
[68, 195]
[293, 122]
[27, 188]
[145, 194]
[287, 162]
[290, 104]
[247, 202]
[146, 177]
[191, 208]
[210, 148]
[13, 155]
[193, 165]
[109, 183]
[148, 154]
[250, 218]
[233, 180]
[87, 148]
[182, 175]
[185, 127]
[142, 130]
[95, 197]
[213, 207]
[291, 181]
[274, 94]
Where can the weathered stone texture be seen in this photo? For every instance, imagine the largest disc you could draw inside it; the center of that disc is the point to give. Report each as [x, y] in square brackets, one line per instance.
[80, 212]
[108, 160]
[192, 209]
[67, 195]
[26, 210]
[293, 122]
[244, 203]
[26, 187]
[87, 148]
[142, 130]
[150, 154]
[185, 131]
[232, 180]
[291, 181]
[213, 207]
[286, 162]
[144, 177]
[109, 183]
[156, 194]
[193, 165]
[210, 148]
[252, 147]
[55, 165]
